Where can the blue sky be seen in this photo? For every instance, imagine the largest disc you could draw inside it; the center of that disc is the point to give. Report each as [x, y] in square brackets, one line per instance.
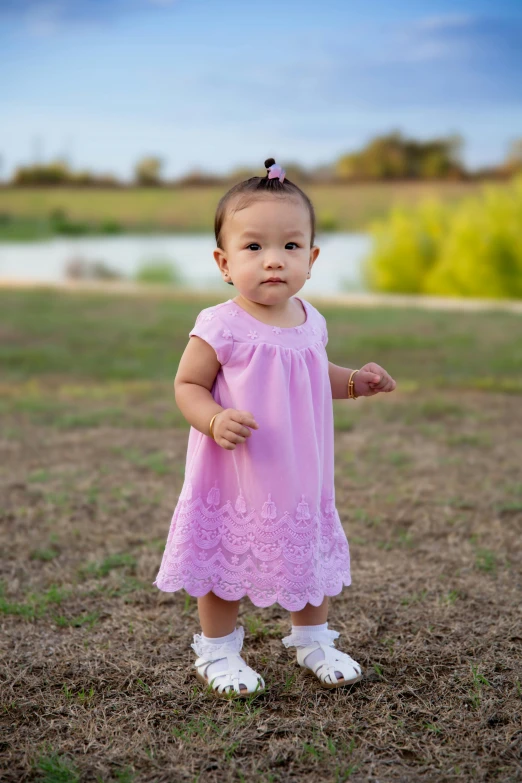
[212, 85]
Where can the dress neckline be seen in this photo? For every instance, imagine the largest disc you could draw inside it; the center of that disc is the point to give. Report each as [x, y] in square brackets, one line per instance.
[275, 326]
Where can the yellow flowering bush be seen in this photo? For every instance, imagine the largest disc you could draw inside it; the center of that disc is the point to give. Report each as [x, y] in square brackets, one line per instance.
[472, 249]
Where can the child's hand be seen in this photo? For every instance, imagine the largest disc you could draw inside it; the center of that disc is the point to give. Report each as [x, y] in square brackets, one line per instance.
[231, 427]
[372, 379]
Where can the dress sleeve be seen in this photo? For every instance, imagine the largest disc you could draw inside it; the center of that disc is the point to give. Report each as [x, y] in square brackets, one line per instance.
[210, 328]
[324, 329]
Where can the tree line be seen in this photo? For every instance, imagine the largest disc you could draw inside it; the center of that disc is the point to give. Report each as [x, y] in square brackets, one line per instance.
[384, 158]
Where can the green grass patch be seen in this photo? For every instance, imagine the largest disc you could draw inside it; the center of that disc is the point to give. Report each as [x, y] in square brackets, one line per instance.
[510, 508]
[156, 461]
[475, 440]
[415, 598]
[53, 767]
[89, 619]
[486, 560]
[44, 554]
[38, 213]
[399, 458]
[110, 563]
[96, 339]
[36, 605]
[39, 476]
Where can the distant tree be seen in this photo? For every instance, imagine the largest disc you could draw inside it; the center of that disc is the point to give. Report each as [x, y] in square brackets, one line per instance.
[53, 173]
[514, 157]
[394, 157]
[198, 177]
[295, 172]
[148, 171]
[58, 173]
[243, 172]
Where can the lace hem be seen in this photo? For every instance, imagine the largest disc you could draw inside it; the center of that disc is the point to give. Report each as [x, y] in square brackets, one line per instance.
[290, 557]
[292, 602]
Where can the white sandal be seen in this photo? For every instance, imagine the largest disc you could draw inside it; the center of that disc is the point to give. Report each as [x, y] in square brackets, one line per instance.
[237, 674]
[334, 660]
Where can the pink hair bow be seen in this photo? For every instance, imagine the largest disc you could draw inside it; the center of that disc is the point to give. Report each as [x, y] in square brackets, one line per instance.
[276, 172]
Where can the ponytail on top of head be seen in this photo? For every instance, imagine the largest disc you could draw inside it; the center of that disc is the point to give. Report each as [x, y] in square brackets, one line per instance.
[244, 193]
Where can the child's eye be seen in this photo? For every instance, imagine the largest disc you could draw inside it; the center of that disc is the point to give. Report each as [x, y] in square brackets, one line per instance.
[253, 246]
[291, 243]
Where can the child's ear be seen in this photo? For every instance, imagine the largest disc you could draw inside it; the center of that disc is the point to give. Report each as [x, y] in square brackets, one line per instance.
[314, 252]
[221, 260]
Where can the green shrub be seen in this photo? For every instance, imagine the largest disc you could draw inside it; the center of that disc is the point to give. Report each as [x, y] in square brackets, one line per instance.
[158, 272]
[406, 246]
[482, 253]
[327, 222]
[472, 249]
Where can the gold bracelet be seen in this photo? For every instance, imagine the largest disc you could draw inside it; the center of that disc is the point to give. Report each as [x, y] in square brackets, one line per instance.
[351, 391]
[212, 424]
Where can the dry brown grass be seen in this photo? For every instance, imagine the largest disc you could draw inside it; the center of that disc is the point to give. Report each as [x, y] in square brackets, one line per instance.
[97, 683]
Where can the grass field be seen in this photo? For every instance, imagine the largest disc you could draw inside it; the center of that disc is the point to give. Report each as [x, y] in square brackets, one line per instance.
[97, 683]
[26, 213]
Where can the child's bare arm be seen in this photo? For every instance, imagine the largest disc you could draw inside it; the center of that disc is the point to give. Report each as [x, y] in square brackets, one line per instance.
[194, 379]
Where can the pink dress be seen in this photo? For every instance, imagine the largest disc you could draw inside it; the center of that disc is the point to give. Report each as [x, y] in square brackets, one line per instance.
[260, 520]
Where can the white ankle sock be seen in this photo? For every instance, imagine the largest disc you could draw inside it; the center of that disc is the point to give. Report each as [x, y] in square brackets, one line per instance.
[316, 655]
[220, 663]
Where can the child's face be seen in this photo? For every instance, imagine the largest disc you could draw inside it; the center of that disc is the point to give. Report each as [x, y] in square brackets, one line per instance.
[269, 238]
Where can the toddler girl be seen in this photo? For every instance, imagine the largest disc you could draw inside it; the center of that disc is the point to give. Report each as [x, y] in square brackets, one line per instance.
[256, 515]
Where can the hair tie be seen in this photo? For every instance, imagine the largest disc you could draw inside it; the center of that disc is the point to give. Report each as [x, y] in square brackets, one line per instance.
[276, 172]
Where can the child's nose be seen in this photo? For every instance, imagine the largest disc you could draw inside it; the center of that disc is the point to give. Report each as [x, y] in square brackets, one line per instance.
[273, 260]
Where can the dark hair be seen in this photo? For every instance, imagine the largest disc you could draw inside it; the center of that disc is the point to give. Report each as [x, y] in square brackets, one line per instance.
[259, 186]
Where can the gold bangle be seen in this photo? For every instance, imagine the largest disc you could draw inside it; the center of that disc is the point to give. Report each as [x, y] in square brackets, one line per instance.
[351, 390]
[212, 424]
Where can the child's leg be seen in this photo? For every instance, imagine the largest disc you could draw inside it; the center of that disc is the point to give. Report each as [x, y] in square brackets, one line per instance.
[315, 648]
[217, 617]
[311, 615]
[221, 643]
[312, 618]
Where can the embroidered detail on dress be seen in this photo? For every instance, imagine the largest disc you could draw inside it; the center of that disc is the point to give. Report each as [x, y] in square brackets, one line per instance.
[315, 330]
[208, 316]
[276, 329]
[270, 556]
[269, 510]
[240, 504]
[299, 329]
[213, 496]
[330, 506]
[233, 313]
[227, 333]
[252, 334]
[303, 511]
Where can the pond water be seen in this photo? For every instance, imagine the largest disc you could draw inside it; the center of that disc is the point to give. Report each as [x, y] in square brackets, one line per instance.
[337, 269]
